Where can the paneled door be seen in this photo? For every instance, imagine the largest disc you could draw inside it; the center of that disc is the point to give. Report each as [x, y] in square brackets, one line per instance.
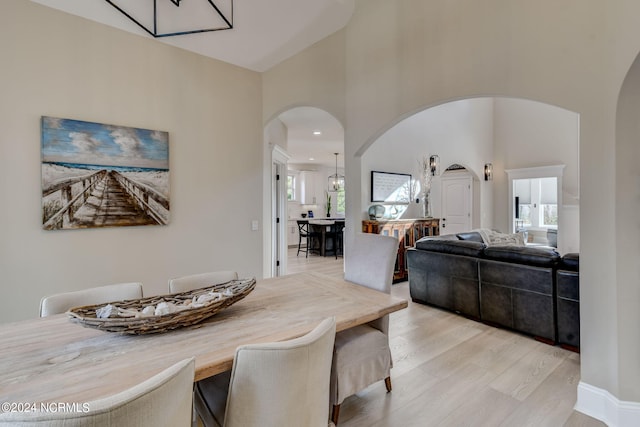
[456, 203]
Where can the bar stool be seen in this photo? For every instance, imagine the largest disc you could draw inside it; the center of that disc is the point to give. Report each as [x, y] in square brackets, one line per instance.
[334, 234]
[304, 233]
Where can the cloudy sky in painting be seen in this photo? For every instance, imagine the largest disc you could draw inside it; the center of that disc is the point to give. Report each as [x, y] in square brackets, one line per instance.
[73, 141]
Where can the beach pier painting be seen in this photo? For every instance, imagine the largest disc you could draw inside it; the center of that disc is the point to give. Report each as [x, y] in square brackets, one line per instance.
[99, 175]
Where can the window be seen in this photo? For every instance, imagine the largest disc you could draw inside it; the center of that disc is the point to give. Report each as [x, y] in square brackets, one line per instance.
[525, 214]
[536, 201]
[549, 215]
[291, 188]
[548, 202]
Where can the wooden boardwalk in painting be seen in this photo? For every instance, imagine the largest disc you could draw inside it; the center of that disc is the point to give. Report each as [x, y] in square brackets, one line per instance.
[105, 199]
[110, 205]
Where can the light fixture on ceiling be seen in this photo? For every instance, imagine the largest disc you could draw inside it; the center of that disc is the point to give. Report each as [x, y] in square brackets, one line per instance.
[336, 181]
[488, 172]
[317, 132]
[164, 18]
[434, 165]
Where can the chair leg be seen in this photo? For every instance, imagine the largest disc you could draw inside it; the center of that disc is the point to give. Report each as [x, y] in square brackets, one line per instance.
[387, 382]
[335, 414]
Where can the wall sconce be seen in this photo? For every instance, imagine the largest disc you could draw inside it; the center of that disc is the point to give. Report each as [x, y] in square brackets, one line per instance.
[434, 164]
[488, 172]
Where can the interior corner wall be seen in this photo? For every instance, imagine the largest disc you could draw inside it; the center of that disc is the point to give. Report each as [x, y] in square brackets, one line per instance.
[532, 134]
[628, 227]
[312, 78]
[60, 65]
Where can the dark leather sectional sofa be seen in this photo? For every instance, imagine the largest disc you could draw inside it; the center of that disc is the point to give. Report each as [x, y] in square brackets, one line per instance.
[528, 289]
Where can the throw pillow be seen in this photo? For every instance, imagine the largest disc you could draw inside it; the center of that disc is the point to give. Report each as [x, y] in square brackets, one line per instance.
[495, 238]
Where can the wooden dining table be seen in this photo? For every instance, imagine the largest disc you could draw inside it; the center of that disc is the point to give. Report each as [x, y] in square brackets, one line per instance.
[54, 359]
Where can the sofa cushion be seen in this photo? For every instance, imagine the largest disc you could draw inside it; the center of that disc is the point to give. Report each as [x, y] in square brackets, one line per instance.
[454, 247]
[540, 257]
[472, 236]
[570, 262]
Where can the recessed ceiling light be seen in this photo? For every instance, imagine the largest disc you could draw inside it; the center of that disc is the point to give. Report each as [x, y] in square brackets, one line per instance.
[317, 132]
[311, 158]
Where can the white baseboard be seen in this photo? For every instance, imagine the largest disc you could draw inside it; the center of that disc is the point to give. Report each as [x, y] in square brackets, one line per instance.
[604, 406]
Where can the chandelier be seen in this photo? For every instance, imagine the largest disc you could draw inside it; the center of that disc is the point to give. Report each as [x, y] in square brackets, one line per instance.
[164, 18]
[336, 181]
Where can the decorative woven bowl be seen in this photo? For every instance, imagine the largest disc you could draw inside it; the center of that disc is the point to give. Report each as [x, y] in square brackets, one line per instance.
[86, 315]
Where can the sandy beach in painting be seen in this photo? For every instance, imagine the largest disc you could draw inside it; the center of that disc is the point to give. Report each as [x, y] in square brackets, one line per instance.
[53, 173]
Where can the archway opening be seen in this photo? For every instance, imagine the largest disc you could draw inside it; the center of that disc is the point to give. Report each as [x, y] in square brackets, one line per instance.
[308, 139]
[508, 133]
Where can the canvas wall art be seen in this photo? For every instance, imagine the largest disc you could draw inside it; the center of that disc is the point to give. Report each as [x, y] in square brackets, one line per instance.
[100, 175]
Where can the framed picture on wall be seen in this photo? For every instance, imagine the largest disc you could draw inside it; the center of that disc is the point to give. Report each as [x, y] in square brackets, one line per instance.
[390, 187]
[99, 175]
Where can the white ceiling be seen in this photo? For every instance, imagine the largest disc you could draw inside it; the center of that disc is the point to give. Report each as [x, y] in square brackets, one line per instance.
[305, 147]
[264, 33]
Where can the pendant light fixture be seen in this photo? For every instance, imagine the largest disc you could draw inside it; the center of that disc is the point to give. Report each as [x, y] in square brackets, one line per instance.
[336, 181]
[162, 18]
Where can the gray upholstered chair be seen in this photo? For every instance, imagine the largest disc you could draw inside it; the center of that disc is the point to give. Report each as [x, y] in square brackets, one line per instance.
[362, 355]
[163, 400]
[274, 384]
[60, 303]
[196, 281]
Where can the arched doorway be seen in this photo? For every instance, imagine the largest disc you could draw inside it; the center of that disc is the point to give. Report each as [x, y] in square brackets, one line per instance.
[508, 133]
[308, 138]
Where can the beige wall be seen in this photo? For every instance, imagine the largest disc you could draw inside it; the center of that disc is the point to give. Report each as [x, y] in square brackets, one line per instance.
[394, 58]
[59, 65]
[405, 55]
[313, 78]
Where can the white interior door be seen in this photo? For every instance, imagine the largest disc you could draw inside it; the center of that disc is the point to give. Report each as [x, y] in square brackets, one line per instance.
[456, 204]
[279, 211]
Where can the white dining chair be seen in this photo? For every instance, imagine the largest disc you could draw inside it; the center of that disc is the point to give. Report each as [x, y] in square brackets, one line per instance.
[196, 281]
[362, 355]
[273, 384]
[60, 303]
[164, 400]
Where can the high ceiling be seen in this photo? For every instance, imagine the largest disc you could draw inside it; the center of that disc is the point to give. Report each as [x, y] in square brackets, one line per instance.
[265, 32]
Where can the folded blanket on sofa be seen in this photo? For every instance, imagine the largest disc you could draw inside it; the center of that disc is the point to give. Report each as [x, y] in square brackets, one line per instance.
[495, 238]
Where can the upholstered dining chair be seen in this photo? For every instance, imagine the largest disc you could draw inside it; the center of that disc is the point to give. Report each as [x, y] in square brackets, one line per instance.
[274, 384]
[196, 281]
[362, 355]
[60, 303]
[164, 400]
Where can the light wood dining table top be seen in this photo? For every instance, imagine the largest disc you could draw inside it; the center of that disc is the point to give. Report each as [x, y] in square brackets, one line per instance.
[53, 359]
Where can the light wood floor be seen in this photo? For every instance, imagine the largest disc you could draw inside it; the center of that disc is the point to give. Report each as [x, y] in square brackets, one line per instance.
[452, 371]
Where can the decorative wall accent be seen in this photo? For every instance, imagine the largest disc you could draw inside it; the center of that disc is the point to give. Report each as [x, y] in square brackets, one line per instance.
[390, 187]
[99, 175]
